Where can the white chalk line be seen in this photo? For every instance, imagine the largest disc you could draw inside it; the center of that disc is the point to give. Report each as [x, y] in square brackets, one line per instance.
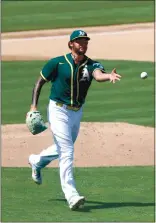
[105, 33]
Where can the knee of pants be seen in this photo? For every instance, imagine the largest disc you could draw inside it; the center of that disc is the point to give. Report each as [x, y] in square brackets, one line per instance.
[66, 155]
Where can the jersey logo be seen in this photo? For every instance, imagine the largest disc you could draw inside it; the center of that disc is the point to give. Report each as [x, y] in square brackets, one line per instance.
[85, 74]
[61, 63]
[81, 33]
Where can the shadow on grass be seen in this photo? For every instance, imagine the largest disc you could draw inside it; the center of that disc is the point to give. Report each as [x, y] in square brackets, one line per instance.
[90, 205]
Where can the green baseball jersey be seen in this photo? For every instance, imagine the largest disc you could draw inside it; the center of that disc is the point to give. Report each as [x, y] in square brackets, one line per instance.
[70, 81]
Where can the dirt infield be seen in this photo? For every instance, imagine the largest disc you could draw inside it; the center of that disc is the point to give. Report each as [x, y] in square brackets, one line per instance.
[98, 144]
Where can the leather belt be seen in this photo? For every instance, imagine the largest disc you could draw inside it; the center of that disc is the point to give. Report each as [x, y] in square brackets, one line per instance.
[68, 106]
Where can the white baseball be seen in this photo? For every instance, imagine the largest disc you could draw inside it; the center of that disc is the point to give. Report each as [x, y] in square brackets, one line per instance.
[143, 75]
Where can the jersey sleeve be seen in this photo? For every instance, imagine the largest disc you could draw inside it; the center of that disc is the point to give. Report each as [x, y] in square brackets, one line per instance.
[97, 66]
[49, 71]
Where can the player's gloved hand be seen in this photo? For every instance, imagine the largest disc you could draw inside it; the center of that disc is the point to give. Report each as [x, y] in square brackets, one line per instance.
[114, 76]
[35, 123]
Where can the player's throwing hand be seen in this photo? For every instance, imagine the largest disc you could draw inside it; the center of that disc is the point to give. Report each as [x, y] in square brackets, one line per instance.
[114, 76]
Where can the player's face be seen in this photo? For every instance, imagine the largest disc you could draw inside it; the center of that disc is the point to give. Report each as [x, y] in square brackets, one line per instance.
[80, 46]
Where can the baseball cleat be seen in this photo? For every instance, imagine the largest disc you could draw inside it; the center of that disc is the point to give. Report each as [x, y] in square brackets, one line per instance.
[36, 172]
[76, 202]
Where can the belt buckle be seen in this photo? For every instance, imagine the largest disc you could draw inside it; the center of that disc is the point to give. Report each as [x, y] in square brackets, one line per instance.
[72, 108]
[59, 104]
[76, 109]
[68, 106]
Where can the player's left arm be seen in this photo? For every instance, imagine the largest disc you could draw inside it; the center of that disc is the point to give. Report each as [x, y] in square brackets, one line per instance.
[101, 76]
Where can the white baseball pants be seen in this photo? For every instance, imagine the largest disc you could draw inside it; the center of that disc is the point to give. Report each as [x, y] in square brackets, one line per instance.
[65, 126]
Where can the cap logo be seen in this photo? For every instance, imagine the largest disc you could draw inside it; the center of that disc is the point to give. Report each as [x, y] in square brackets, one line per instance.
[81, 33]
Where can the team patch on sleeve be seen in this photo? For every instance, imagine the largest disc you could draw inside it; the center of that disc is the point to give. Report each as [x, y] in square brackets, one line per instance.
[99, 66]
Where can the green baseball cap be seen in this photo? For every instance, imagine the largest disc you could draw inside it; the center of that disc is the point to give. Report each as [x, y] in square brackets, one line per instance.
[78, 34]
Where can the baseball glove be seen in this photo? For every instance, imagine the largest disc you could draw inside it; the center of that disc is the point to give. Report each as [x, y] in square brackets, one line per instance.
[35, 122]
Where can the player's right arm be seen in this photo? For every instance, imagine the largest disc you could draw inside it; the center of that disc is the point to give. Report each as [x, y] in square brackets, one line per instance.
[48, 73]
[36, 93]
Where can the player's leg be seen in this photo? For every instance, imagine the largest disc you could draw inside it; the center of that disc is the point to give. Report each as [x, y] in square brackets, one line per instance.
[75, 202]
[51, 153]
[66, 148]
[75, 131]
[63, 139]
[61, 122]
[45, 156]
[39, 161]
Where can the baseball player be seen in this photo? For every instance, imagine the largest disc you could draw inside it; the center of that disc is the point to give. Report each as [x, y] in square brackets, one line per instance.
[71, 76]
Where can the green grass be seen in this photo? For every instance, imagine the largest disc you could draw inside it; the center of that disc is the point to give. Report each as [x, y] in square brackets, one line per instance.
[130, 100]
[113, 194]
[33, 15]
